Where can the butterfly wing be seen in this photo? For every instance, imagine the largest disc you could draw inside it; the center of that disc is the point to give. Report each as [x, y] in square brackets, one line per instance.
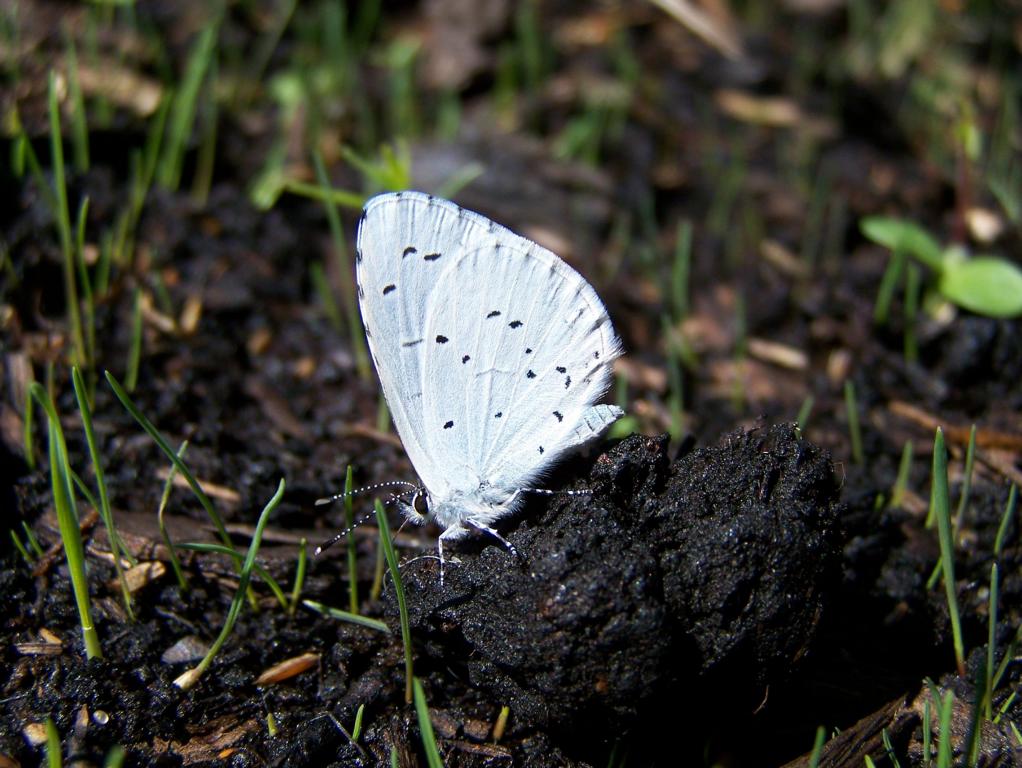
[491, 351]
[399, 237]
[519, 349]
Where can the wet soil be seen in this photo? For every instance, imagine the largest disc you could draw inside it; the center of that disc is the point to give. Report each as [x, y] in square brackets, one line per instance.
[711, 600]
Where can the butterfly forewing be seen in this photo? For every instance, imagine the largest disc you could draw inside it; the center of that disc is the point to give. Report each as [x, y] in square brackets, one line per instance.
[491, 350]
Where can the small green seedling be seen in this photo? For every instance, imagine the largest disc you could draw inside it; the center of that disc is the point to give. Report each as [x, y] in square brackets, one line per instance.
[984, 284]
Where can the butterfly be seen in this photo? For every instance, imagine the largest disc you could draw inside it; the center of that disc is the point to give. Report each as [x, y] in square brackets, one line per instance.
[491, 351]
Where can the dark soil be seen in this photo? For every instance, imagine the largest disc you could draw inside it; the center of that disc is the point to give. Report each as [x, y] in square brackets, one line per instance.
[710, 600]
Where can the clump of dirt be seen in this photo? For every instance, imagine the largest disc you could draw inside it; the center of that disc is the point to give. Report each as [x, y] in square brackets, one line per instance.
[708, 572]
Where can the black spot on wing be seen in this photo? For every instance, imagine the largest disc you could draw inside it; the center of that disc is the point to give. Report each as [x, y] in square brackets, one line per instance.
[498, 414]
[528, 350]
[388, 288]
[494, 313]
[561, 369]
[409, 250]
[448, 425]
[411, 343]
[541, 449]
[567, 381]
[531, 374]
[441, 339]
[559, 416]
[465, 359]
[515, 324]
[431, 256]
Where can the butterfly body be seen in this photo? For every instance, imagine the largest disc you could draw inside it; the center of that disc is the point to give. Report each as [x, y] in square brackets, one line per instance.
[491, 351]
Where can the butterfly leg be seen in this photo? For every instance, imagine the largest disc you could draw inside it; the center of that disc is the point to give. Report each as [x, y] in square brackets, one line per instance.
[487, 529]
[455, 531]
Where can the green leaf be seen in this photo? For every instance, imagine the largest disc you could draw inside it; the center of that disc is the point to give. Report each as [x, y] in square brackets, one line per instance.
[898, 234]
[985, 285]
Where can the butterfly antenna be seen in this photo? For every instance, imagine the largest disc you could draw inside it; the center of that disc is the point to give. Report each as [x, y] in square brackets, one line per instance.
[370, 514]
[364, 489]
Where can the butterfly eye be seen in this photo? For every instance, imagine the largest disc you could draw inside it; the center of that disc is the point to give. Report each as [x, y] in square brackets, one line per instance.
[420, 503]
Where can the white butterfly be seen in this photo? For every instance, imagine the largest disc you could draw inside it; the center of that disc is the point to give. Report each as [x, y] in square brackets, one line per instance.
[491, 351]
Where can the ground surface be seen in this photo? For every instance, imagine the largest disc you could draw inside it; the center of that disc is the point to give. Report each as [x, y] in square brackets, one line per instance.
[726, 588]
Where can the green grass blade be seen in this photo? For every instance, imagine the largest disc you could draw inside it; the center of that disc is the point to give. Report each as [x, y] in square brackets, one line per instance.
[988, 689]
[219, 549]
[183, 111]
[105, 512]
[67, 520]
[296, 589]
[154, 433]
[192, 676]
[351, 618]
[16, 540]
[901, 482]
[63, 218]
[399, 592]
[814, 756]
[426, 727]
[168, 484]
[135, 350]
[349, 523]
[356, 730]
[79, 122]
[942, 511]
[344, 270]
[945, 746]
[1009, 513]
[963, 500]
[854, 431]
[54, 756]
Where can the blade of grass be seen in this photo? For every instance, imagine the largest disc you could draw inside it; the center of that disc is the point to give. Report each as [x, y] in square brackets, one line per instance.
[79, 122]
[33, 542]
[26, 432]
[945, 746]
[135, 350]
[942, 511]
[67, 520]
[64, 225]
[399, 592]
[814, 756]
[1006, 518]
[356, 730]
[426, 727]
[54, 756]
[349, 523]
[16, 540]
[854, 431]
[105, 512]
[901, 482]
[351, 618]
[175, 562]
[913, 279]
[182, 116]
[804, 412]
[963, 499]
[680, 270]
[296, 590]
[260, 571]
[115, 757]
[344, 270]
[154, 433]
[317, 275]
[988, 690]
[90, 302]
[888, 284]
[189, 678]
